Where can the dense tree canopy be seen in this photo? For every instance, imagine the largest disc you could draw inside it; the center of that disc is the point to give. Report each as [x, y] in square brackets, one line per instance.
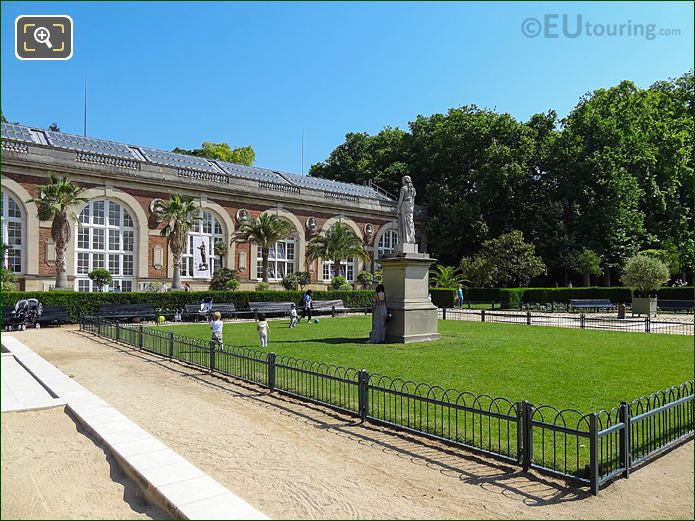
[613, 177]
[223, 152]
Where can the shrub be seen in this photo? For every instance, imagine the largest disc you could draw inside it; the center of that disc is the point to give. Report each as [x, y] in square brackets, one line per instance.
[645, 273]
[262, 286]
[221, 279]
[233, 284]
[676, 293]
[443, 297]
[290, 282]
[7, 280]
[365, 278]
[445, 277]
[338, 281]
[101, 277]
[510, 298]
[303, 278]
[345, 287]
[482, 294]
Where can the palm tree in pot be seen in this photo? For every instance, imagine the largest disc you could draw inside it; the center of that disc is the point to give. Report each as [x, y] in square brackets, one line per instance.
[179, 216]
[55, 202]
[264, 231]
[336, 244]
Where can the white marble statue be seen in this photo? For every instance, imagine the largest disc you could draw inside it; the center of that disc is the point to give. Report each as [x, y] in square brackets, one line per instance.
[406, 207]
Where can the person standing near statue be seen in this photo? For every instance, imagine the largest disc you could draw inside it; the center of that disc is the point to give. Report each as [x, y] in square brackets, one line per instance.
[406, 208]
[379, 314]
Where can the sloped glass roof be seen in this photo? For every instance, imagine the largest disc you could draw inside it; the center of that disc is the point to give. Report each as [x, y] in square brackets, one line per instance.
[161, 157]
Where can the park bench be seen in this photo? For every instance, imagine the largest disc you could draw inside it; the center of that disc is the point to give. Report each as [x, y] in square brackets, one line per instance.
[674, 305]
[192, 311]
[328, 306]
[271, 308]
[591, 303]
[127, 311]
[470, 303]
[54, 315]
[7, 313]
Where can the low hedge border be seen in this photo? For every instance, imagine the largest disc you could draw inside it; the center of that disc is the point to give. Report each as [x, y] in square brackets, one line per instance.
[78, 302]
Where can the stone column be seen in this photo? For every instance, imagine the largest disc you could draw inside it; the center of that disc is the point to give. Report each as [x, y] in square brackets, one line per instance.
[406, 280]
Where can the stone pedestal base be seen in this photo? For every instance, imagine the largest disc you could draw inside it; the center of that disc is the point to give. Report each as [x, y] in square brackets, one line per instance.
[406, 278]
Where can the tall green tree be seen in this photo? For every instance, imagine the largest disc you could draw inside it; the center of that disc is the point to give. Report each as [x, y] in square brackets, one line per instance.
[512, 261]
[587, 263]
[56, 202]
[223, 152]
[179, 215]
[264, 231]
[338, 243]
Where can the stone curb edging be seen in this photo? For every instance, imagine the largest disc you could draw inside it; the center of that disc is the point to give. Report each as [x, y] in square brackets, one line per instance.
[165, 478]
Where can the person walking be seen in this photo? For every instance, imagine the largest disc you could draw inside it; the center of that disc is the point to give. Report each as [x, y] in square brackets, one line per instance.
[379, 315]
[216, 325]
[459, 295]
[263, 329]
[307, 303]
[164, 288]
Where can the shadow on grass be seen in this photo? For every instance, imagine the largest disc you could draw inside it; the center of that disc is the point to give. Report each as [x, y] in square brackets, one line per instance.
[531, 488]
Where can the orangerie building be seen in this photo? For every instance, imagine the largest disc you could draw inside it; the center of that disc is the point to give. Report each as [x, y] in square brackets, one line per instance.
[116, 228]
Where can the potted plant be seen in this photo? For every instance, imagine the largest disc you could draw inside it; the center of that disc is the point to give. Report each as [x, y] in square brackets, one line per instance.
[646, 274]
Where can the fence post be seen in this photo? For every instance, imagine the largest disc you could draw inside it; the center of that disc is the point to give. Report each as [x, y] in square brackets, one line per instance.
[582, 318]
[520, 433]
[212, 356]
[647, 324]
[482, 315]
[593, 456]
[333, 311]
[118, 331]
[171, 345]
[625, 436]
[98, 325]
[362, 394]
[271, 371]
[444, 313]
[527, 438]
[141, 335]
[528, 317]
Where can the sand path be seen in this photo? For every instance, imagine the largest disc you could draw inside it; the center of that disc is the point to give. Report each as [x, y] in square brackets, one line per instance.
[52, 471]
[294, 460]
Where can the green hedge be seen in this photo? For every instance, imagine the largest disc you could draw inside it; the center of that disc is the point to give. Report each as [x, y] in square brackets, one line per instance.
[683, 293]
[514, 297]
[77, 302]
[482, 294]
[443, 297]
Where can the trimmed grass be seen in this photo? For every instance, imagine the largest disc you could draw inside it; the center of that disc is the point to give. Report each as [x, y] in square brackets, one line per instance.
[566, 368]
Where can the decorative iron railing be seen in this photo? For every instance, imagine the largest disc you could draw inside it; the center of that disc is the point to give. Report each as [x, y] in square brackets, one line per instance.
[590, 449]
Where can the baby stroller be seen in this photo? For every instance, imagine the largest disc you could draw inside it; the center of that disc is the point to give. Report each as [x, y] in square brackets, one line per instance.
[205, 309]
[26, 313]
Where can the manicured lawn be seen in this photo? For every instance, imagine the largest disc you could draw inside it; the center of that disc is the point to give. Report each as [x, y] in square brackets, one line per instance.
[566, 368]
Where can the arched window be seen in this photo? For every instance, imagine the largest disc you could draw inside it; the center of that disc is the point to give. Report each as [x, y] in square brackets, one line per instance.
[209, 226]
[387, 243]
[281, 260]
[12, 233]
[105, 239]
[347, 270]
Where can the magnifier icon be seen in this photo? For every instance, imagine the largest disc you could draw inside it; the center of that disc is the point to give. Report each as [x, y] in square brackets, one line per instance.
[43, 35]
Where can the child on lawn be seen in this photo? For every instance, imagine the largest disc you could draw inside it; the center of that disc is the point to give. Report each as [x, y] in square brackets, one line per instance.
[293, 315]
[216, 326]
[263, 329]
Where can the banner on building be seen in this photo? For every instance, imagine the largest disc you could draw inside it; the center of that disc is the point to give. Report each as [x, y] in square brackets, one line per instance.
[201, 257]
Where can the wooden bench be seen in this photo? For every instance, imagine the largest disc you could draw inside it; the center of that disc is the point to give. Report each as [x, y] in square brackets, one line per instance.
[591, 303]
[127, 311]
[672, 305]
[328, 306]
[192, 311]
[54, 315]
[271, 308]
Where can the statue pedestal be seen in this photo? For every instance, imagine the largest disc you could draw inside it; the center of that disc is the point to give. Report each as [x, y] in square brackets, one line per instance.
[406, 277]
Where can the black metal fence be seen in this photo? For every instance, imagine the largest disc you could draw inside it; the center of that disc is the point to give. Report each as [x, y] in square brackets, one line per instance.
[582, 321]
[589, 449]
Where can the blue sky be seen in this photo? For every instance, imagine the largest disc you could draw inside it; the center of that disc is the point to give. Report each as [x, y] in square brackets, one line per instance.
[173, 74]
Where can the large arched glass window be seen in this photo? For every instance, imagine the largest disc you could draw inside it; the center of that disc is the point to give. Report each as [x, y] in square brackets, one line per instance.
[347, 270]
[387, 243]
[105, 239]
[281, 260]
[209, 226]
[12, 233]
